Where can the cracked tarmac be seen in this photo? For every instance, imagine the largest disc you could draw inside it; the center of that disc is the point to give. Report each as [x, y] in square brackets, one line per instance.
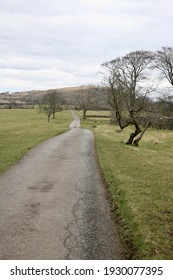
[53, 203]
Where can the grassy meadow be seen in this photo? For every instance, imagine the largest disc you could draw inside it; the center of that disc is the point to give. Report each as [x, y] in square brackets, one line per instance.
[139, 179]
[21, 129]
[140, 183]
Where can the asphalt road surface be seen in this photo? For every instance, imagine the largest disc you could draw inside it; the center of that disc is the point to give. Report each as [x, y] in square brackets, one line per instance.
[53, 203]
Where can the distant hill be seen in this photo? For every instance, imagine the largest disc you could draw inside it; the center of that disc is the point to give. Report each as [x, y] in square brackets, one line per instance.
[68, 96]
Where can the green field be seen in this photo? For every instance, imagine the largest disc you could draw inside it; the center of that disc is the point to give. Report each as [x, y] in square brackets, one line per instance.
[21, 129]
[140, 182]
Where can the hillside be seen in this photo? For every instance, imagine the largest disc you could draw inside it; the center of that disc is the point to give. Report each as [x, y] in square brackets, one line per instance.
[68, 96]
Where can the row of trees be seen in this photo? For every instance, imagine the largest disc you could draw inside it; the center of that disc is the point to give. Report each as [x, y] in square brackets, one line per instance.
[85, 99]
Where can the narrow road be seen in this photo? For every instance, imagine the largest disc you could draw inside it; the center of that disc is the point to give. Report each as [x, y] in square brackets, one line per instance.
[53, 203]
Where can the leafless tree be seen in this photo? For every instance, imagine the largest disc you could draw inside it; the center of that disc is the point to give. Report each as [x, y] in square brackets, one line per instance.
[115, 93]
[163, 61]
[87, 99]
[50, 104]
[124, 79]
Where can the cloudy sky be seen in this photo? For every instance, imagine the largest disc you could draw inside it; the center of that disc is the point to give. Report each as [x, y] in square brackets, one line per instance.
[55, 43]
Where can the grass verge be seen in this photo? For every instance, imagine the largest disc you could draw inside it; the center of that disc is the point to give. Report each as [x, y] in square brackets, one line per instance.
[21, 130]
[140, 181]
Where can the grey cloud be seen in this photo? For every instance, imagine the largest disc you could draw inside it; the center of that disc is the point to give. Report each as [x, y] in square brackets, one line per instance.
[63, 42]
[41, 7]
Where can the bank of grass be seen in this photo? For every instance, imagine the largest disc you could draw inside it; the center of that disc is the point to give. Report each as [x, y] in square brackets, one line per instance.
[98, 114]
[20, 130]
[140, 182]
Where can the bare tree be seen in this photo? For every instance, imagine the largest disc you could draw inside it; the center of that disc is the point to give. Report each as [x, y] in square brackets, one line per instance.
[115, 92]
[87, 99]
[125, 82]
[50, 104]
[163, 61]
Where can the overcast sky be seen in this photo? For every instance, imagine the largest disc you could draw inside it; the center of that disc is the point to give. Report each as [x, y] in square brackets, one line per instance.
[56, 43]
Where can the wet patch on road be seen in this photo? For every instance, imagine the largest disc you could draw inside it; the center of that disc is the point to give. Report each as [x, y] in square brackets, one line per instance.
[45, 186]
[33, 209]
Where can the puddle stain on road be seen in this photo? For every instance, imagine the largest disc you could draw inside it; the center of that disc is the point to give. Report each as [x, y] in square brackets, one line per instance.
[45, 186]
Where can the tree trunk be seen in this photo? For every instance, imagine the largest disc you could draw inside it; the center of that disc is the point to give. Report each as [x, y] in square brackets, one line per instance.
[133, 134]
[48, 118]
[84, 114]
[119, 119]
[122, 123]
[136, 142]
[53, 115]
